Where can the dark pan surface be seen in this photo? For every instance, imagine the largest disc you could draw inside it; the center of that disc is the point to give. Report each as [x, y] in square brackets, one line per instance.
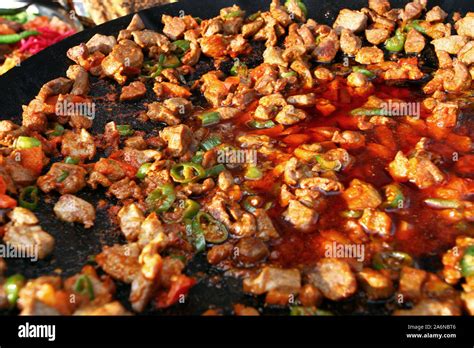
[74, 244]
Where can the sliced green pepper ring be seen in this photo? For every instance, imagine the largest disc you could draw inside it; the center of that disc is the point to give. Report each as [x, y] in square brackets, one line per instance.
[328, 164]
[187, 172]
[191, 208]
[143, 171]
[29, 197]
[213, 231]
[393, 260]
[467, 262]
[161, 199]
[12, 287]
[195, 237]
[84, 286]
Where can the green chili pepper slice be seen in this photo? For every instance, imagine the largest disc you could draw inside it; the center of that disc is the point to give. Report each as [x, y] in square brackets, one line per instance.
[415, 25]
[328, 164]
[253, 173]
[260, 124]
[63, 176]
[187, 172]
[396, 43]
[439, 203]
[351, 214]
[364, 71]
[395, 197]
[125, 129]
[24, 142]
[215, 170]
[300, 4]
[467, 262]
[161, 199]
[182, 45]
[308, 311]
[233, 14]
[14, 38]
[143, 171]
[29, 197]
[71, 160]
[195, 237]
[211, 143]
[191, 208]
[254, 16]
[209, 118]
[83, 285]
[57, 131]
[393, 260]
[12, 287]
[213, 231]
[198, 157]
[171, 62]
[367, 112]
[239, 69]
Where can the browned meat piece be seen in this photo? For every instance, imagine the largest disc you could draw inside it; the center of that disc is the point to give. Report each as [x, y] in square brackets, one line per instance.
[300, 216]
[436, 14]
[415, 42]
[32, 297]
[459, 80]
[149, 38]
[125, 59]
[136, 23]
[310, 296]
[466, 54]
[133, 91]
[78, 144]
[376, 284]
[379, 6]
[302, 100]
[178, 106]
[369, 55]
[101, 43]
[232, 19]
[170, 90]
[423, 173]
[356, 79]
[214, 90]
[250, 250]
[350, 43]
[376, 222]
[349, 139]
[355, 21]
[249, 29]
[191, 57]
[158, 112]
[105, 172]
[178, 139]
[377, 35]
[465, 26]
[411, 283]
[78, 53]
[241, 310]
[108, 309]
[61, 85]
[81, 80]
[33, 117]
[271, 278]
[64, 178]
[273, 55]
[130, 220]
[361, 195]
[290, 115]
[324, 74]
[70, 208]
[120, 261]
[219, 253]
[18, 174]
[266, 230]
[412, 10]
[451, 44]
[124, 189]
[432, 307]
[334, 278]
[280, 13]
[468, 300]
[25, 234]
[324, 185]
[215, 46]
[295, 10]
[174, 27]
[328, 45]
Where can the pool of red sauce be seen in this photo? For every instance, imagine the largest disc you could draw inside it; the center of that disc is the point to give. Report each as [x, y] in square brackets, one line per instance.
[430, 236]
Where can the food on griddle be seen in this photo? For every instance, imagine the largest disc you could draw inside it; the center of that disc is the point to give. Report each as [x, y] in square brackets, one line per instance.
[317, 163]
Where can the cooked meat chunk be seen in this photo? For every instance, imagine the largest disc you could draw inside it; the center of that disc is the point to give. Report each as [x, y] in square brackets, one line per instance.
[302, 100]
[465, 26]
[324, 185]
[70, 208]
[64, 178]
[290, 115]
[355, 21]
[112, 308]
[130, 220]
[271, 278]
[369, 55]
[411, 283]
[436, 14]
[101, 43]
[451, 44]
[124, 189]
[61, 85]
[265, 227]
[334, 278]
[215, 46]
[133, 91]
[78, 144]
[120, 261]
[415, 42]
[357, 79]
[412, 10]
[178, 139]
[432, 307]
[158, 112]
[376, 35]
[149, 38]
[125, 59]
[300, 216]
[376, 222]
[33, 296]
[250, 250]
[350, 43]
[361, 195]
[174, 26]
[376, 284]
[24, 234]
[466, 54]
[81, 80]
[379, 6]
[273, 55]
